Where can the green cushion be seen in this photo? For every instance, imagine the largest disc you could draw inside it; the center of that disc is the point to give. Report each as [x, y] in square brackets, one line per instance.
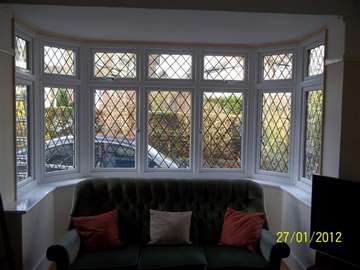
[122, 258]
[172, 257]
[223, 257]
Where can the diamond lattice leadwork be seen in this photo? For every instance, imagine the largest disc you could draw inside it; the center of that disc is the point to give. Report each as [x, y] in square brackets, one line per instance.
[222, 120]
[22, 133]
[115, 128]
[316, 60]
[59, 61]
[170, 66]
[169, 129]
[224, 68]
[59, 122]
[275, 132]
[314, 112]
[21, 53]
[115, 65]
[278, 66]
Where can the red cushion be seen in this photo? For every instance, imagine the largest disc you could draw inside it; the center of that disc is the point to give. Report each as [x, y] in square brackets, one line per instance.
[99, 232]
[242, 229]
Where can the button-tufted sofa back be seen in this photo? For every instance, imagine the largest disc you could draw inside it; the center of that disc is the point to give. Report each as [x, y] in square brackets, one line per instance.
[207, 199]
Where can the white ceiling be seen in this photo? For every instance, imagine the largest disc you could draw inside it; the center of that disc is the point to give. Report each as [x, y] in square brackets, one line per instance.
[102, 23]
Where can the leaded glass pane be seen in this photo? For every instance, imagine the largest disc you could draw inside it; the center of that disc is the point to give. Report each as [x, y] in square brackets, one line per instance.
[59, 124]
[169, 129]
[59, 61]
[278, 66]
[21, 53]
[170, 66]
[115, 65]
[22, 133]
[313, 134]
[275, 131]
[115, 128]
[222, 124]
[224, 68]
[316, 60]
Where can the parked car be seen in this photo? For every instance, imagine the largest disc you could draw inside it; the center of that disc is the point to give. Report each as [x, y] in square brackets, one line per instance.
[109, 153]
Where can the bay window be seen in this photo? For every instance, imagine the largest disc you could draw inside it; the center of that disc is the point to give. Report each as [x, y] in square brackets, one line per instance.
[189, 112]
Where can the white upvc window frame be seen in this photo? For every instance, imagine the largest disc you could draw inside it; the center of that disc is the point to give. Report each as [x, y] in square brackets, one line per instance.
[75, 78]
[306, 49]
[94, 169]
[307, 84]
[242, 86]
[117, 49]
[305, 91]
[58, 81]
[264, 174]
[28, 78]
[76, 169]
[269, 86]
[228, 89]
[28, 37]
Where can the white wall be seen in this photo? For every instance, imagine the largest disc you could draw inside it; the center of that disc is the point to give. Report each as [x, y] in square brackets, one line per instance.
[38, 230]
[333, 97]
[63, 198]
[7, 170]
[295, 217]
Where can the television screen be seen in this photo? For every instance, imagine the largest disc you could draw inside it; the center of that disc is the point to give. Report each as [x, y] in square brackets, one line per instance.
[335, 218]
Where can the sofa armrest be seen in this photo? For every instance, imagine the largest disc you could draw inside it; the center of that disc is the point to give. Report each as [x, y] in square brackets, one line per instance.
[272, 250]
[64, 252]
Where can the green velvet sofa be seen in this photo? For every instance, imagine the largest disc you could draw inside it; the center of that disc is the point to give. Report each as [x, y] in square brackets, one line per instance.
[208, 199]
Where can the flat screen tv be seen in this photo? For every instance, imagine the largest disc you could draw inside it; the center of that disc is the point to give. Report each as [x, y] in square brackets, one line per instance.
[335, 218]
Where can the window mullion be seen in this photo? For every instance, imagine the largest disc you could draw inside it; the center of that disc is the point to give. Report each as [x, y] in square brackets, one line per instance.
[297, 118]
[142, 115]
[84, 143]
[251, 116]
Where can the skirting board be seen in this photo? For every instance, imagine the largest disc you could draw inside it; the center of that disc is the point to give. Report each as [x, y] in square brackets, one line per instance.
[43, 264]
[294, 264]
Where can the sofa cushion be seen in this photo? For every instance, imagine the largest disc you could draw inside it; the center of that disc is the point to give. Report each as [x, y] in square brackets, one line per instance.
[170, 228]
[242, 229]
[225, 257]
[172, 257]
[122, 258]
[99, 232]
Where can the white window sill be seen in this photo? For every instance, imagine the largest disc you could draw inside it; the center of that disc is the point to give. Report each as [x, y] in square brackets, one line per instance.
[31, 194]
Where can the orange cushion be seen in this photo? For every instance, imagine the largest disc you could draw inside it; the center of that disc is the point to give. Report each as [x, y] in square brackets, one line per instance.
[242, 229]
[99, 232]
